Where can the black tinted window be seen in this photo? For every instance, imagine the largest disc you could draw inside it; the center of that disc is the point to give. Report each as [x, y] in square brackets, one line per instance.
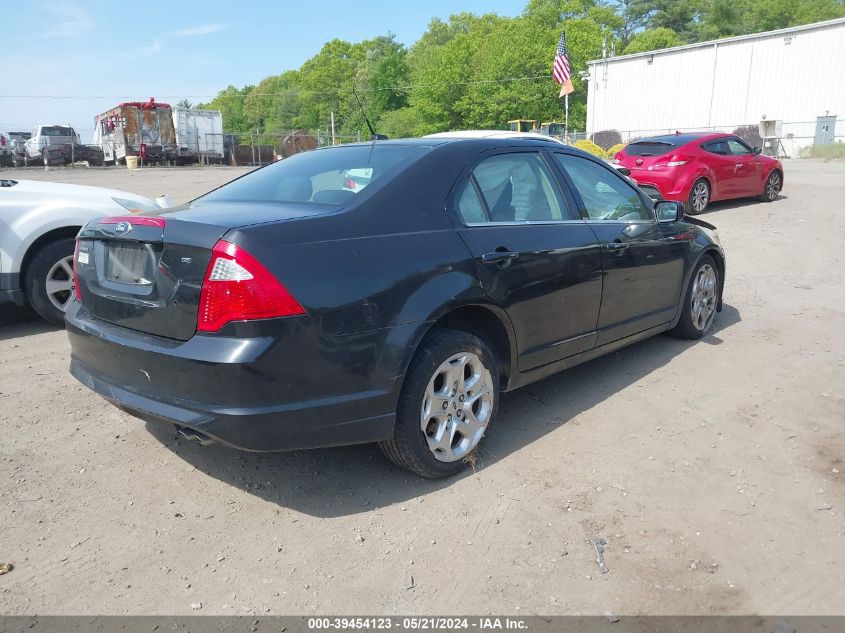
[719, 147]
[649, 148]
[330, 176]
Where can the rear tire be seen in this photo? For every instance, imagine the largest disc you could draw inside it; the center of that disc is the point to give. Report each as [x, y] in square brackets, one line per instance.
[443, 414]
[698, 310]
[49, 280]
[699, 197]
[772, 187]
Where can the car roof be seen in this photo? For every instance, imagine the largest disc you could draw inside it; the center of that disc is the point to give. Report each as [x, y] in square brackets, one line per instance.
[682, 138]
[468, 134]
[507, 139]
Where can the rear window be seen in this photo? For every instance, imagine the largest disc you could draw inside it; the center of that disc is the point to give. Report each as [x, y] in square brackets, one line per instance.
[329, 176]
[55, 130]
[650, 148]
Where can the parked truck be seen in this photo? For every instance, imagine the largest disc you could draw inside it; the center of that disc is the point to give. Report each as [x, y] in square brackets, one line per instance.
[137, 128]
[199, 135]
[57, 145]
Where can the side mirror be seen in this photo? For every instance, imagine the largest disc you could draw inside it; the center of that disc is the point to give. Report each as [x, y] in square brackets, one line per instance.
[624, 171]
[668, 211]
[756, 150]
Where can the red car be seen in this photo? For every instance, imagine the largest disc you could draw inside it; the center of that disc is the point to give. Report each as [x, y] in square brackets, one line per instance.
[700, 168]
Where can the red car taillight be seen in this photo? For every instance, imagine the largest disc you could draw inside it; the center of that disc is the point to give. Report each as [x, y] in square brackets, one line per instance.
[677, 160]
[238, 288]
[76, 287]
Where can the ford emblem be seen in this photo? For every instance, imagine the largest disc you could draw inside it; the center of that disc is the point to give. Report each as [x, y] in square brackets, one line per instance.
[122, 228]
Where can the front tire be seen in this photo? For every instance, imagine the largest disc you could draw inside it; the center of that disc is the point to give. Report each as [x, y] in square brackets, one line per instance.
[700, 301]
[448, 401]
[772, 188]
[49, 280]
[699, 196]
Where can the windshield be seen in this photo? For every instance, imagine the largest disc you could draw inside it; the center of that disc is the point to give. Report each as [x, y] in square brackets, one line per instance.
[329, 176]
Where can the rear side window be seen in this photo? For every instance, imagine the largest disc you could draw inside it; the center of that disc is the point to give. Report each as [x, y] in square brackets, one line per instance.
[515, 187]
[329, 176]
[716, 147]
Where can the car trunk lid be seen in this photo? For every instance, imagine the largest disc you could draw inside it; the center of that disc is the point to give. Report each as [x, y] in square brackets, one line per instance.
[145, 272]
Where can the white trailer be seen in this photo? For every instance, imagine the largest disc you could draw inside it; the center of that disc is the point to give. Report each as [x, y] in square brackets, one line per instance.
[199, 135]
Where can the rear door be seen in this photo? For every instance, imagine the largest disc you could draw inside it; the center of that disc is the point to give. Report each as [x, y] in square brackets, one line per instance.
[643, 260]
[534, 254]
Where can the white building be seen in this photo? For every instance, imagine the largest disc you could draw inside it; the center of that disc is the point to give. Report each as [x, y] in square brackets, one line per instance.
[795, 76]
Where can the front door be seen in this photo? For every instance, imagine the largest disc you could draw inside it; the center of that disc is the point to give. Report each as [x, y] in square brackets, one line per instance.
[534, 254]
[748, 179]
[643, 260]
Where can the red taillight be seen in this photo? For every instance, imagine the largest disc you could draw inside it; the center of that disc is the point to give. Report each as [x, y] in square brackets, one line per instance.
[238, 288]
[135, 220]
[76, 287]
[676, 160]
[349, 183]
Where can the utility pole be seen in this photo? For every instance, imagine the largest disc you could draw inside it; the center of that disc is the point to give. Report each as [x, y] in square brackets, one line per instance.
[333, 135]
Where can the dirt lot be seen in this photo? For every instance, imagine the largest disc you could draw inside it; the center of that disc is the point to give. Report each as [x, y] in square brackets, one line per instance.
[713, 469]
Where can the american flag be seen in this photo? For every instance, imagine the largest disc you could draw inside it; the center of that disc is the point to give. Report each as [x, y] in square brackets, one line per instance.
[560, 67]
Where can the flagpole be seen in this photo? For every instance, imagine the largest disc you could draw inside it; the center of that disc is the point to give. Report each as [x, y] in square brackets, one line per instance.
[566, 117]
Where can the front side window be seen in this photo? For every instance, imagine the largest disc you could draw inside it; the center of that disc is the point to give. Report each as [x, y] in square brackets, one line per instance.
[329, 176]
[515, 187]
[738, 148]
[606, 195]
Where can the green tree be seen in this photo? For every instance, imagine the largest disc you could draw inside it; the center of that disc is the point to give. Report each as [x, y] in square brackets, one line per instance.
[652, 39]
[230, 102]
[184, 103]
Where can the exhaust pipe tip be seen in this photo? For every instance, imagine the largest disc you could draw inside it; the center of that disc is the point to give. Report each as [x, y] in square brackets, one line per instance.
[191, 435]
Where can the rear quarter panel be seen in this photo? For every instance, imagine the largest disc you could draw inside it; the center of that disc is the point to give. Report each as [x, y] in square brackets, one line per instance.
[23, 221]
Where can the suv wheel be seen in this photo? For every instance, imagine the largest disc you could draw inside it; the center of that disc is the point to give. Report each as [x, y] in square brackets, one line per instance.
[49, 280]
[448, 401]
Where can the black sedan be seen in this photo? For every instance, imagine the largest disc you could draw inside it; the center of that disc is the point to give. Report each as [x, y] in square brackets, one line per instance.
[286, 310]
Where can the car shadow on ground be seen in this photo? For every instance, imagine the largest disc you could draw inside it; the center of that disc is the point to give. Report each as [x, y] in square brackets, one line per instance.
[737, 203]
[18, 322]
[350, 480]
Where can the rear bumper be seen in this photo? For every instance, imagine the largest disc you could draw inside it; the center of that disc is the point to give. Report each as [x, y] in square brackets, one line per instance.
[666, 184]
[274, 385]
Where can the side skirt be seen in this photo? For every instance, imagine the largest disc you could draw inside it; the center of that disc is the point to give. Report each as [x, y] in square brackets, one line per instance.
[521, 379]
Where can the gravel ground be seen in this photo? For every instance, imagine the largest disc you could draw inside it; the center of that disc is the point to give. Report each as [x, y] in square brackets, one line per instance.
[713, 470]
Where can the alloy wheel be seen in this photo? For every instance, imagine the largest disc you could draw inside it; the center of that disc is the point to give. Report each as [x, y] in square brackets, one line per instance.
[773, 186]
[700, 196]
[457, 406]
[60, 283]
[703, 299]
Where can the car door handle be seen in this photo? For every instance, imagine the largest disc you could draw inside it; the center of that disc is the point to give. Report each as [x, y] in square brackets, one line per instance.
[617, 247]
[498, 257]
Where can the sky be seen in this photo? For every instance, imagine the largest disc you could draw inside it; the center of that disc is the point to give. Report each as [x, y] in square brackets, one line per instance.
[101, 53]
